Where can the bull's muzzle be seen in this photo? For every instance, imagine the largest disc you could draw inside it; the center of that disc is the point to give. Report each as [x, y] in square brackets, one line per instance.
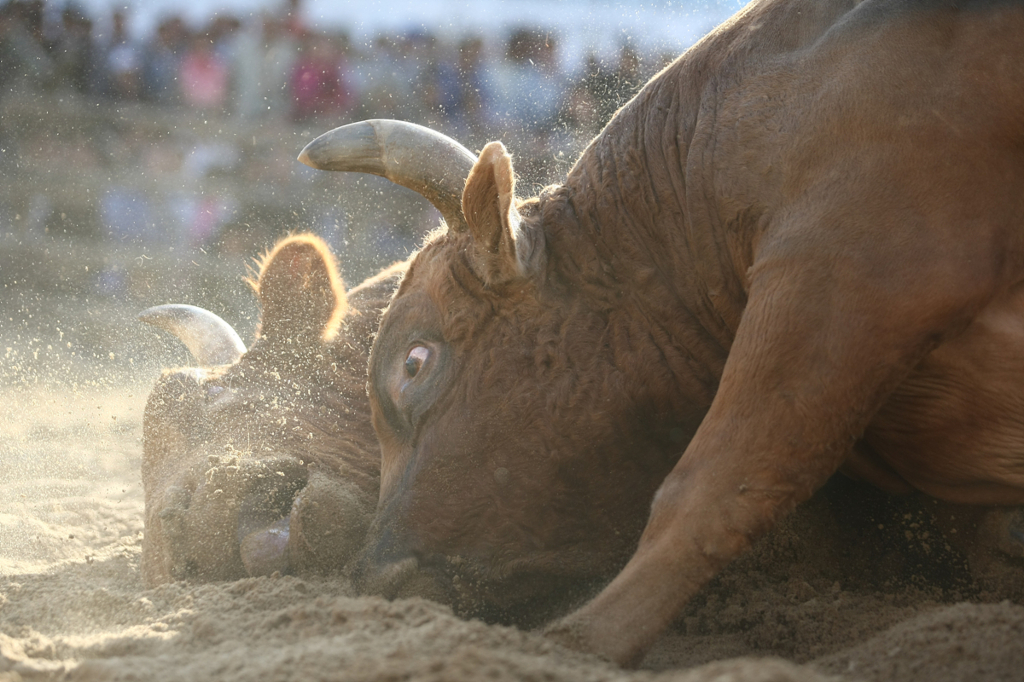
[390, 566]
[384, 565]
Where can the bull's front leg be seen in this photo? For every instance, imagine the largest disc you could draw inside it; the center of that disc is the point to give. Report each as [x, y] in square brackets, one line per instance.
[825, 337]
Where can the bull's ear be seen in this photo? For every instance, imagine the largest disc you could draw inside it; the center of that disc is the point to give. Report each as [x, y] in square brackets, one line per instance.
[300, 290]
[504, 248]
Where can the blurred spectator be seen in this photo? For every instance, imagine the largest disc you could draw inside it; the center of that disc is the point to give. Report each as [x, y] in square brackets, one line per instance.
[127, 214]
[162, 61]
[204, 76]
[123, 61]
[282, 52]
[223, 33]
[292, 18]
[317, 86]
[420, 62]
[610, 89]
[582, 111]
[73, 51]
[22, 56]
[209, 216]
[527, 86]
[378, 81]
[247, 66]
[273, 70]
[463, 87]
[628, 78]
[596, 91]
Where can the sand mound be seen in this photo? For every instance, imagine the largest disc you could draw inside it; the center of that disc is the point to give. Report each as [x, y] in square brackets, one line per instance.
[813, 601]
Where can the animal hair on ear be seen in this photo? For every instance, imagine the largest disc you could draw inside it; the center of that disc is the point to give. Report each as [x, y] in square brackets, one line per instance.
[300, 289]
[488, 193]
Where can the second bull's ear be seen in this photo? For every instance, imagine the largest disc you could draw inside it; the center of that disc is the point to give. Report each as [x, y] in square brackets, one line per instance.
[504, 248]
[300, 291]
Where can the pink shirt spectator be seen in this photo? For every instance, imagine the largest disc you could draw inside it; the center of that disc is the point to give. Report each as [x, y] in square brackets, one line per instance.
[204, 77]
[317, 86]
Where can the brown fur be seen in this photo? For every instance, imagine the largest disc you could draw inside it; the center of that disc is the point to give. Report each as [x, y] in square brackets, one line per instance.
[800, 248]
[290, 414]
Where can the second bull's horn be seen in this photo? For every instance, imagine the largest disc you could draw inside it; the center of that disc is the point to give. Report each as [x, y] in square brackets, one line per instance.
[209, 339]
[407, 154]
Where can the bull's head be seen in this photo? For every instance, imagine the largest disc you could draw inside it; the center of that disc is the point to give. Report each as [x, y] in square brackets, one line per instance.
[519, 459]
[264, 460]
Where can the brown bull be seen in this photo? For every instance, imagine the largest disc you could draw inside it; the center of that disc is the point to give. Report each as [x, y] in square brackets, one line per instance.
[264, 460]
[799, 249]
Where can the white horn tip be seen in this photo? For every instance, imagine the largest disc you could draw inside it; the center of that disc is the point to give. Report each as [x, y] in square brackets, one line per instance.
[209, 339]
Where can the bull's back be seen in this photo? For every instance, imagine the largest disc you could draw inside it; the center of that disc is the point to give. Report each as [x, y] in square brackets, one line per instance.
[913, 113]
[788, 96]
[914, 102]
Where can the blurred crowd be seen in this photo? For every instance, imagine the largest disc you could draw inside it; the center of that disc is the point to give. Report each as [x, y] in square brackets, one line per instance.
[274, 65]
[196, 185]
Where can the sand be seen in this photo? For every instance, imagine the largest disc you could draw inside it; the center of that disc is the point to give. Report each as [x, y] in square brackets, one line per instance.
[820, 599]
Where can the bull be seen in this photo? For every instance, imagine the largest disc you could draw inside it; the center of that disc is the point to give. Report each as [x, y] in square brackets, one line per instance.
[264, 459]
[798, 250]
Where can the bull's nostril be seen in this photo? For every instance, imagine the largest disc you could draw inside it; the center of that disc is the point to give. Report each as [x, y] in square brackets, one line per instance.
[264, 515]
[266, 550]
[269, 499]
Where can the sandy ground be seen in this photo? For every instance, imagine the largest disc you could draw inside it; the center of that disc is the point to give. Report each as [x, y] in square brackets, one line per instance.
[814, 600]
[855, 586]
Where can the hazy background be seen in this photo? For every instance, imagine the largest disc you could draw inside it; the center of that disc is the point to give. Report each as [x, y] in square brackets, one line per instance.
[148, 148]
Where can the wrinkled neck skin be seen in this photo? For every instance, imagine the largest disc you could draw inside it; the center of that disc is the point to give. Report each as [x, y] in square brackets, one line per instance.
[661, 216]
[623, 230]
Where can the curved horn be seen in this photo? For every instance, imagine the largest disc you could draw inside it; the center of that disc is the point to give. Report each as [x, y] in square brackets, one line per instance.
[407, 154]
[209, 339]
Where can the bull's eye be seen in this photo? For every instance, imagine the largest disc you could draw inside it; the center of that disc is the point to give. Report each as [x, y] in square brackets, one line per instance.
[415, 359]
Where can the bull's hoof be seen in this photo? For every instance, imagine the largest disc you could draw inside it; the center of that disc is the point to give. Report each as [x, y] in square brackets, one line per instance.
[1002, 531]
[997, 559]
[1013, 533]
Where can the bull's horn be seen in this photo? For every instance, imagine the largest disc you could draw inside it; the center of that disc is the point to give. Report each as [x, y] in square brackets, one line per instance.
[209, 339]
[407, 154]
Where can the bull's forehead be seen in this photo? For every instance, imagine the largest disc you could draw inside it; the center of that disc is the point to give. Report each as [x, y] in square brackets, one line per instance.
[267, 381]
[437, 264]
[442, 278]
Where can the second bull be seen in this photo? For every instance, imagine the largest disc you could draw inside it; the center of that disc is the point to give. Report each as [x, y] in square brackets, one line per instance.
[264, 460]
